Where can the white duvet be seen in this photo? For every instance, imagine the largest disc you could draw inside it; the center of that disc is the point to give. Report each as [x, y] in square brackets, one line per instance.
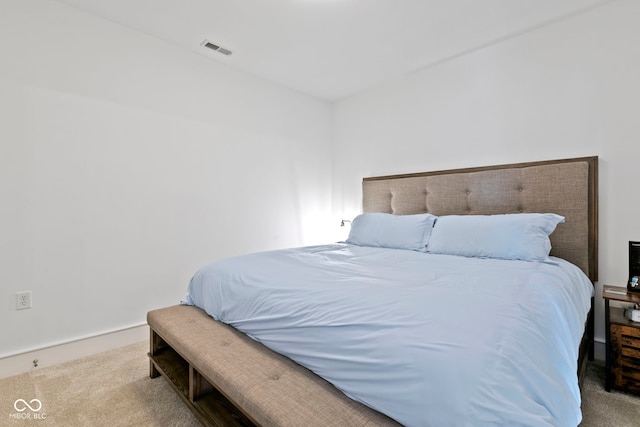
[429, 340]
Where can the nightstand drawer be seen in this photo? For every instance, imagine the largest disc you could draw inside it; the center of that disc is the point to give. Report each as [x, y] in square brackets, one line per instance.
[630, 332]
[625, 378]
[630, 349]
[625, 357]
[625, 340]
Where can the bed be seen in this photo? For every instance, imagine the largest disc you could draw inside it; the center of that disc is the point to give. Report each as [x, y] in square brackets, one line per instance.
[388, 328]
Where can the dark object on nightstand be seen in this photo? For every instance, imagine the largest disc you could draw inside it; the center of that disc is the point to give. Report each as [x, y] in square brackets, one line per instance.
[623, 342]
[633, 285]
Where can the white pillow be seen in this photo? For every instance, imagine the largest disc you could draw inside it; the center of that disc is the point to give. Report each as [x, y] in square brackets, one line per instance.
[392, 231]
[511, 236]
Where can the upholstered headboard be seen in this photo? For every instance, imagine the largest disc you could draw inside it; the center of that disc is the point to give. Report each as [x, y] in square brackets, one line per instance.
[567, 187]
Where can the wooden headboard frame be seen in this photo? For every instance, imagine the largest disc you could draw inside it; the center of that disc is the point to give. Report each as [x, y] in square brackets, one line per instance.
[567, 187]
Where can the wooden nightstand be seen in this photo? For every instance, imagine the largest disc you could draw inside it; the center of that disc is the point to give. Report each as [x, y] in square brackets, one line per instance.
[623, 342]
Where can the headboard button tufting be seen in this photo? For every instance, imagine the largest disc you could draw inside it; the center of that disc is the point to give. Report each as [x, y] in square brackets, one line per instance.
[494, 188]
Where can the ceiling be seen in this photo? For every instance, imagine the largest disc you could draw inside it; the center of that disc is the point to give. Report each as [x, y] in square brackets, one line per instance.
[331, 49]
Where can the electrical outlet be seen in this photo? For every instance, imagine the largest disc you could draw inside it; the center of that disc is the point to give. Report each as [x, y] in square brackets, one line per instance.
[23, 300]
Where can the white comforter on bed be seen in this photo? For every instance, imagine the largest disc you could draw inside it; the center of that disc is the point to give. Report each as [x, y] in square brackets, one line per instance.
[429, 340]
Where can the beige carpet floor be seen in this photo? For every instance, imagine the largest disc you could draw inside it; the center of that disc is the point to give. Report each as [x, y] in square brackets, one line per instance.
[114, 389]
[603, 409]
[108, 389]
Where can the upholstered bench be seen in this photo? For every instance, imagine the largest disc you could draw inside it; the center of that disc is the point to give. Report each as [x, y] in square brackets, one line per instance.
[227, 378]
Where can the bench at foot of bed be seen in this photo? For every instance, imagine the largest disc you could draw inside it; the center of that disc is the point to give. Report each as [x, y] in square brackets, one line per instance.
[228, 379]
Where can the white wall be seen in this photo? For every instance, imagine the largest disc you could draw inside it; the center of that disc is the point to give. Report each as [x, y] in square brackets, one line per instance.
[126, 163]
[569, 89]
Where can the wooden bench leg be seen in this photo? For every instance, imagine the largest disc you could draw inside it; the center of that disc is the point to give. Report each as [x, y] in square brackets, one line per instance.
[154, 344]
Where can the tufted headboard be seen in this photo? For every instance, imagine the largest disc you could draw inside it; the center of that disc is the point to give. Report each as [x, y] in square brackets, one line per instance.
[567, 187]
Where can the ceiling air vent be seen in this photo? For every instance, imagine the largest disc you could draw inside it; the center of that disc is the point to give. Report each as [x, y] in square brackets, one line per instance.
[212, 46]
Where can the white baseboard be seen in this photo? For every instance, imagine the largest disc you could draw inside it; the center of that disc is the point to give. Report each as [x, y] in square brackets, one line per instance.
[58, 353]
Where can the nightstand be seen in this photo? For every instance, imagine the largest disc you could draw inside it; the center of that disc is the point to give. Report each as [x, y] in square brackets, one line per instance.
[623, 342]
